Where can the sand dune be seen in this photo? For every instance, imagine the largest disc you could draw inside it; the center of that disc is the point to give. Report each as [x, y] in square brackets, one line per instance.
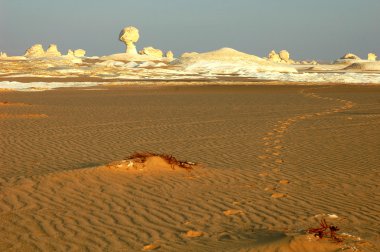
[64, 185]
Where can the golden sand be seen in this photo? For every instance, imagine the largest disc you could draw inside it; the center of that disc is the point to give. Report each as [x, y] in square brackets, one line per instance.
[58, 193]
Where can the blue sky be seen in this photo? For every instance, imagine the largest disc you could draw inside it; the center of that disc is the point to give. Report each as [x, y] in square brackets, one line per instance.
[324, 29]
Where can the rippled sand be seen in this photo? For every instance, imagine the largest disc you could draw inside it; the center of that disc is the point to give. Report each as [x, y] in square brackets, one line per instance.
[274, 160]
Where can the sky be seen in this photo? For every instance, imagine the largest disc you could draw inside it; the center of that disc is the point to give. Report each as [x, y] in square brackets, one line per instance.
[308, 29]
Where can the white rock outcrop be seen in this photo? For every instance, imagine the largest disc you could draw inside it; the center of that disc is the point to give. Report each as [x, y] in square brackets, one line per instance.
[228, 61]
[372, 56]
[52, 51]
[284, 55]
[146, 64]
[70, 53]
[189, 54]
[150, 51]
[130, 35]
[79, 53]
[350, 56]
[36, 51]
[365, 66]
[274, 57]
[3, 55]
[170, 55]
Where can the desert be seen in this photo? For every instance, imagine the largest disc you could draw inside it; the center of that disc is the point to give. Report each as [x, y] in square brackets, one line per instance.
[151, 148]
[251, 190]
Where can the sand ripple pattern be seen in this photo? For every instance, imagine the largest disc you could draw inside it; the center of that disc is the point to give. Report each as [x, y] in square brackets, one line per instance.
[247, 142]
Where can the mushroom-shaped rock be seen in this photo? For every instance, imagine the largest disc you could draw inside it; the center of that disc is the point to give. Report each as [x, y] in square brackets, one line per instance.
[170, 55]
[70, 52]
[52, 51]
[274, 57]
[284, 55]
[150, 51]
[79, 53]
[351, 56]
[130, 35]
[35, 51]
[372, 56]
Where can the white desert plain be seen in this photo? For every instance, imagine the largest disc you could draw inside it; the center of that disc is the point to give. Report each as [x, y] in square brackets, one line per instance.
[214, 151]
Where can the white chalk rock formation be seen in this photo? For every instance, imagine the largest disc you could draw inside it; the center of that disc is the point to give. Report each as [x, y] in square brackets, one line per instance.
[147, 64]
[79, 53]
[274, 57]
[52, 51]
[110, 63]
[189, 54]
[170, 55]
[70, 53]
[130, 35]
[372, 56]
[36, 51]
[3, 55]
[150, 51]
[364, 66]
[284, 55]
[350, 56]
[228, 61]
[131, 64]
[161, 64]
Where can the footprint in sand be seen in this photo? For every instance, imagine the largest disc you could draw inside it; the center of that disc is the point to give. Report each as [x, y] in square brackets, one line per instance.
[194, 234]
[151, 247]
[279, 195]
[279, 161]
[264, 174]
[270, 188]
[232, 212]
